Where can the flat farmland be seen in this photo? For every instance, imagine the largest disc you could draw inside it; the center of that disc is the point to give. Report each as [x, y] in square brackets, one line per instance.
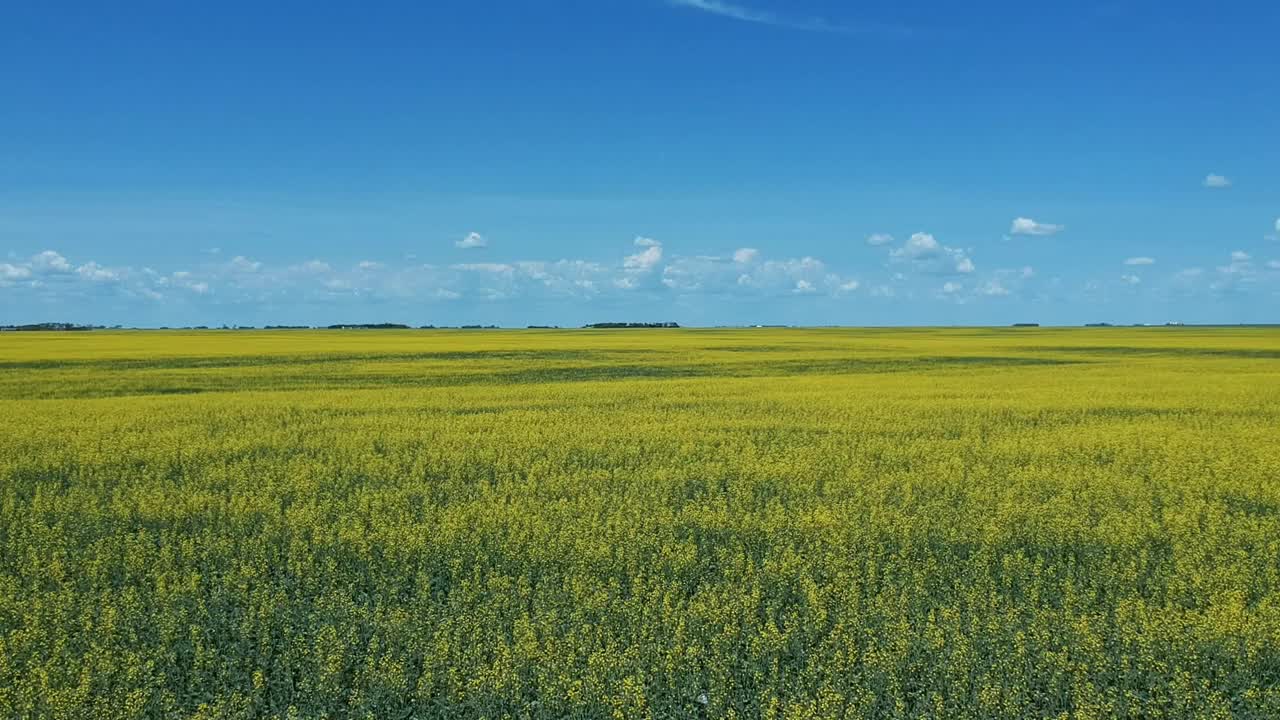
[747, 523]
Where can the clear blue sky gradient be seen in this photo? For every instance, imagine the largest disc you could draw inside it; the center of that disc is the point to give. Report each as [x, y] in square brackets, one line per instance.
[288, 162]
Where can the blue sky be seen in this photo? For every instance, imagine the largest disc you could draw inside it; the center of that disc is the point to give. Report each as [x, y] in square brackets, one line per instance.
[562, 162]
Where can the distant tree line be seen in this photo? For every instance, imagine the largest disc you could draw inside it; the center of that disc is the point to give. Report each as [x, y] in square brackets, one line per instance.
[49, 326]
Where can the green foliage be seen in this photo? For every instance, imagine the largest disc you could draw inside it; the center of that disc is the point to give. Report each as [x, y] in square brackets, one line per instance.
[607, 524]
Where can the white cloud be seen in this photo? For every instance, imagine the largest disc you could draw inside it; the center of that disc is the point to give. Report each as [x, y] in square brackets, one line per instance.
[804, 287]
[14, 272]
[645, 260]
[743, 256]
[472, 240]
[950, 288]
[1027, 226]
[1131, 279]
[1216, 181]
[50, 262]
[927, 255]
[848, 286]
[1140, 261]
[877, 239]
[94, 272]
[1239, 256]
[369, 265]
[919, 245]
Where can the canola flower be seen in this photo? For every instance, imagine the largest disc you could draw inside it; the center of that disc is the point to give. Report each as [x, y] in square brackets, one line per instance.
[641, 524]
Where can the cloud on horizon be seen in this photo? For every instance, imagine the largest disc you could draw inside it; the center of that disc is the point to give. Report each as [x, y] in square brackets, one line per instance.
[920, 268]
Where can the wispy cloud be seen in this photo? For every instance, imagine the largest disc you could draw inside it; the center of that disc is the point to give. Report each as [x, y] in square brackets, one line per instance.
[1027, 226]
[765, 17]
[1213, 180]
[993, 288]
[472, 240]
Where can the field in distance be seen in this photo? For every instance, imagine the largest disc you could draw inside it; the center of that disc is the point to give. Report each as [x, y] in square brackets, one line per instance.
[766, 523]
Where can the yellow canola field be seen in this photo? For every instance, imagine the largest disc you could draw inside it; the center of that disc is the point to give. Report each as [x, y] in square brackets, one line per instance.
[765, 523]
